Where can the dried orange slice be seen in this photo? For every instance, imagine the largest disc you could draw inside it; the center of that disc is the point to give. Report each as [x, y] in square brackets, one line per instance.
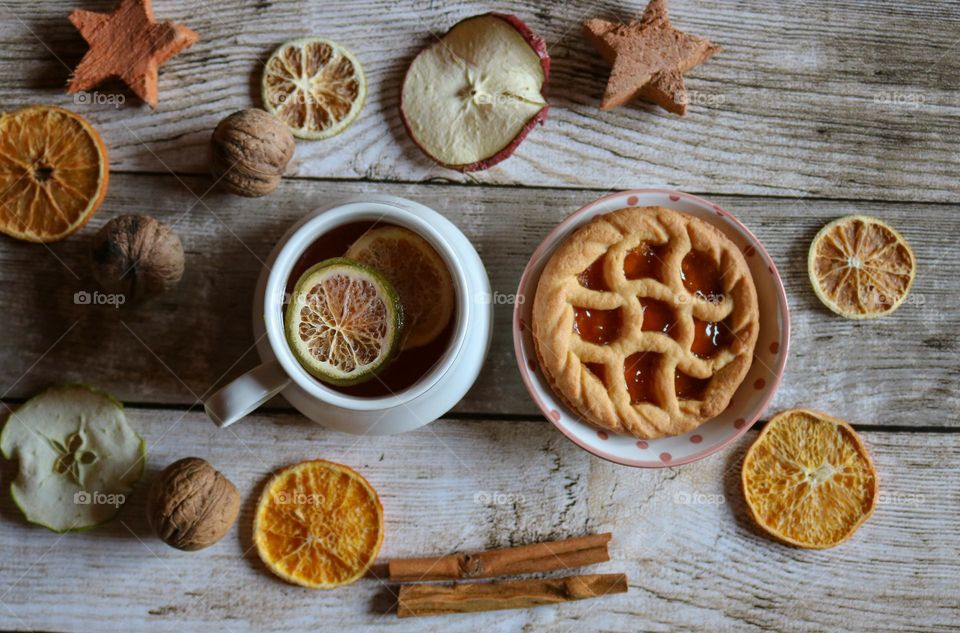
[318, 524]
[809, 480]
[860, 267]
[53, 173]
[418, 273]
[315, 86]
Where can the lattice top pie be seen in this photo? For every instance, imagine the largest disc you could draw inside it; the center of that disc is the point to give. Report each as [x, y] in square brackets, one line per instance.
[645, 321]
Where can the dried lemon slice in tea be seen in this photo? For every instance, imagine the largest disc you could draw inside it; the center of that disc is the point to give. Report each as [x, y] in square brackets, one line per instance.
[860, 267]
[53, 173]
[318, 524]
[418, 273]
[344, 321]
[315, 86]
[809, 480]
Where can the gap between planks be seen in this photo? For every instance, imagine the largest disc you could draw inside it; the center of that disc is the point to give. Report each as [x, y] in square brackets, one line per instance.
[454, 416]
[441, 181]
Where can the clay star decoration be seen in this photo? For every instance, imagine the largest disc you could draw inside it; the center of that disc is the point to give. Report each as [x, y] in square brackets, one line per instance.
[127, 43]
[649, 58]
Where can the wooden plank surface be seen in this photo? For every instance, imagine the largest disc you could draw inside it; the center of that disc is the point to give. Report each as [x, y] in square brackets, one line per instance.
[693, 560]
[836, 99]
[173, 351]
[812, 111]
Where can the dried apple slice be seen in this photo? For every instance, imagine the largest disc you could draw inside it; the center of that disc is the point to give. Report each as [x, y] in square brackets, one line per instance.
[469, 99]
[78, 458]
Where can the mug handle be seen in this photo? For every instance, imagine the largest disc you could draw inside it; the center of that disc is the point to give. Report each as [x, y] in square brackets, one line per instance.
[242, 396]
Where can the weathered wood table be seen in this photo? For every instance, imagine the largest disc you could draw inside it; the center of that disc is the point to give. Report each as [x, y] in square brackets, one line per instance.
[813, 110]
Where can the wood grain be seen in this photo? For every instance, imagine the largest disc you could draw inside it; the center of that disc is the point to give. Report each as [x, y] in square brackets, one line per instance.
[835, 99]
[900, 370]
[813, 110]
[682, 537]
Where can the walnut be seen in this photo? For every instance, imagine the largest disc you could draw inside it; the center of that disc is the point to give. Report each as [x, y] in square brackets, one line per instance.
[137, 256]
[191, 505]
[251, 149]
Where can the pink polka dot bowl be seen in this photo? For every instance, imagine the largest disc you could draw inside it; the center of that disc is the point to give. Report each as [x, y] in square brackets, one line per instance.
[747, 404]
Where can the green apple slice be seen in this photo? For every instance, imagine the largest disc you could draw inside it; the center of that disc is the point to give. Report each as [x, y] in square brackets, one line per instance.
[78, 458]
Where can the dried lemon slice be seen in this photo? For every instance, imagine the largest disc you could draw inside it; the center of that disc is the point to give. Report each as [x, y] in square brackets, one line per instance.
[809, 480]
[318, 524]
[344, 322]
[315, 86]
[860, 267]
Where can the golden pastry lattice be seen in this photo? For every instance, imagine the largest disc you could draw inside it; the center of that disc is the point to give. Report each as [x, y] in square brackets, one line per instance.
[675, 387]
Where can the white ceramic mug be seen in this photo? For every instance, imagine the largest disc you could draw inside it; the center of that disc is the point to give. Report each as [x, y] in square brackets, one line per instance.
[430, 397]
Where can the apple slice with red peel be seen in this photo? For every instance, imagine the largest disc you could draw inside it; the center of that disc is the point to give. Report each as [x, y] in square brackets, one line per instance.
[469, 99]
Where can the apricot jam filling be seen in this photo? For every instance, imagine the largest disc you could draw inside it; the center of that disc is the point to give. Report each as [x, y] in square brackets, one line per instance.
[640, 371]
[657, 317]
[599, 370]
[599, 327]
[592, 277]
[701, 276]
[645, 261]
[710, 337]
[688, 387]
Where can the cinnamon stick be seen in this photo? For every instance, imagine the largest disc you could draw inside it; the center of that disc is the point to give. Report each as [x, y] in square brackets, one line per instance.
[426, 599]
[535, 558]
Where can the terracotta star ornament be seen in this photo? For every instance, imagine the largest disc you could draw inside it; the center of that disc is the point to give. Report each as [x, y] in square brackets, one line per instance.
[649, 58]
[128, 43]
